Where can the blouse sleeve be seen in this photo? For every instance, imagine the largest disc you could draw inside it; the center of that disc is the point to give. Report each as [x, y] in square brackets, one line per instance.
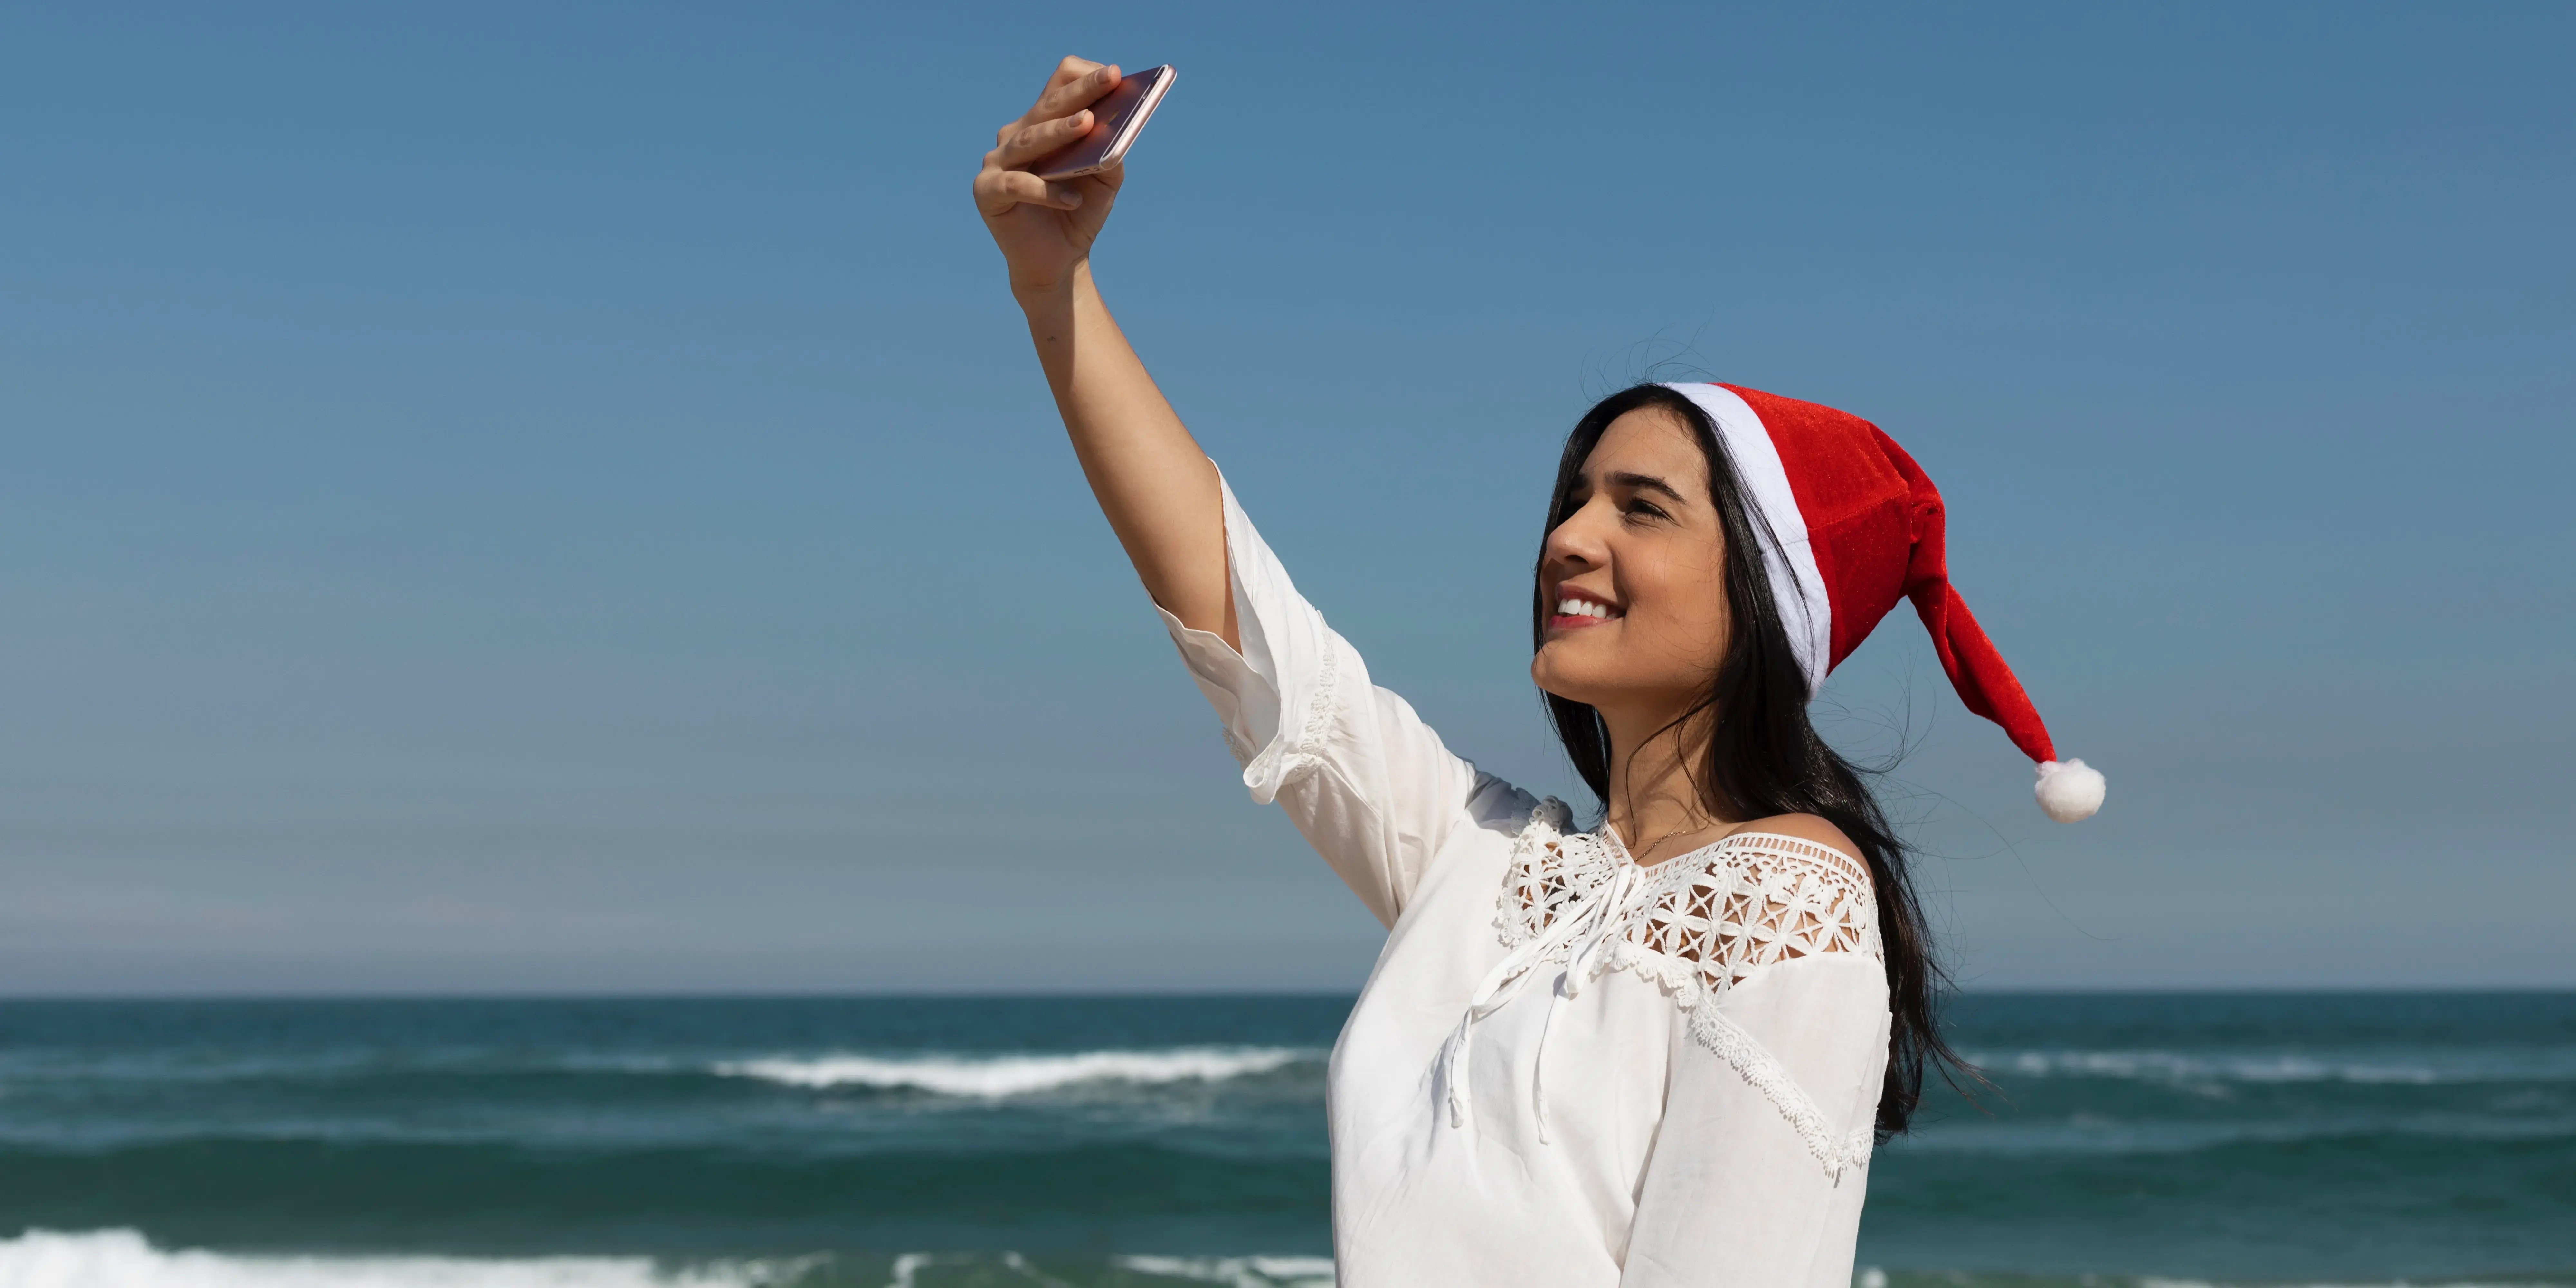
[1363, 778]
[1762, 1159]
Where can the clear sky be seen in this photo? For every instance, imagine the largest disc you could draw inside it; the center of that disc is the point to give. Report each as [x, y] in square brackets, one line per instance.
[509, 498]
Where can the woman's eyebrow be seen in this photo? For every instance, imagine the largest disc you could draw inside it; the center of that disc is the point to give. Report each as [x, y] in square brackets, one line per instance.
[1647, 483]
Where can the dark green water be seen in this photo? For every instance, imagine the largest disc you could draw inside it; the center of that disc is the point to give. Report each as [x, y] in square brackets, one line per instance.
[2341, 1138]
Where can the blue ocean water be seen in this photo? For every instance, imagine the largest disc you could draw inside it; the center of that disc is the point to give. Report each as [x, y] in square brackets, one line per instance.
[938, 1142]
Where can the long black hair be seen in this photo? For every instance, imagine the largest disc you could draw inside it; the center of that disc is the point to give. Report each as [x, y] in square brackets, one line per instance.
[1764, 756]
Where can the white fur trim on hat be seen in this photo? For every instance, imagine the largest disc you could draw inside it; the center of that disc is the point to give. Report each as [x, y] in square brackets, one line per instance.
[1796, 583]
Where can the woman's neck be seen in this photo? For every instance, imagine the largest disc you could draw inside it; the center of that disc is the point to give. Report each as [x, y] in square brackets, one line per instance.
[1655, 801]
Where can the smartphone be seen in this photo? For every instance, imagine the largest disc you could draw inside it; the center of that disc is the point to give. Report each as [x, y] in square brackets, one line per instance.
[1116, 120]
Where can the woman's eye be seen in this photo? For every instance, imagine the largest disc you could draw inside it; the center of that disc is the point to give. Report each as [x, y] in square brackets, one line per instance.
[1646, 510]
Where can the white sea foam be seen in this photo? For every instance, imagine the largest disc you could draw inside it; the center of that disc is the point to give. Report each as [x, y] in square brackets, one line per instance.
[1233, 1272]
[123, 1259]
[908, 1268]
[993, 1077]
[1239, 1272]
[2251, 1067]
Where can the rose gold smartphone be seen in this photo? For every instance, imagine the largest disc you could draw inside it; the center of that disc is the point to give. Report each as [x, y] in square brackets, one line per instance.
[1116, 120]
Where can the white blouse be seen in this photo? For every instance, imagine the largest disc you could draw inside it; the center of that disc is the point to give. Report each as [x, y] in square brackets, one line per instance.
[1567, 1069]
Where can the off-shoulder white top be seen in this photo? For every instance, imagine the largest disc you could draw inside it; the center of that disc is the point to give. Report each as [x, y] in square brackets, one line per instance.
[1566, 1070]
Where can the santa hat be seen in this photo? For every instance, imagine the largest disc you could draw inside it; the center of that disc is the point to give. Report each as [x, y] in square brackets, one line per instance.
[1854, 527]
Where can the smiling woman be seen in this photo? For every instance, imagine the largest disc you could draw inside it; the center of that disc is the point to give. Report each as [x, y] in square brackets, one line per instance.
[1656, 1052]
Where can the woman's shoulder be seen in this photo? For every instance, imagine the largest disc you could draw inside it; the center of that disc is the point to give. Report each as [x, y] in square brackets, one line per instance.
[1815, 829]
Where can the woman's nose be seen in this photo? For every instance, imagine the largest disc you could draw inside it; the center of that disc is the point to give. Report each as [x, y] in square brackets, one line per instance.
[1577, 541]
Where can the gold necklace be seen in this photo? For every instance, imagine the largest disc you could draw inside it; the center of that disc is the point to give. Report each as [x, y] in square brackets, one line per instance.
[1638, 857]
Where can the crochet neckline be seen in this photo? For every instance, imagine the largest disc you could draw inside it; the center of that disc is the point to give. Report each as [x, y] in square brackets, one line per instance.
[1713, 916]
[1610, 837]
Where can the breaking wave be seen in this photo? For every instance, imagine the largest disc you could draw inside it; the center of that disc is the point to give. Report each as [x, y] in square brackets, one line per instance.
[124, 1259]
[2182, 1067]
[995, 1077]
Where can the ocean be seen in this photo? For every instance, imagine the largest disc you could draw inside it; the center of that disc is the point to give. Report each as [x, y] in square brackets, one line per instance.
[2128, 1141]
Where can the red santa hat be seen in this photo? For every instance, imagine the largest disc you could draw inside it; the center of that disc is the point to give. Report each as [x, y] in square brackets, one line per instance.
[1854, 527]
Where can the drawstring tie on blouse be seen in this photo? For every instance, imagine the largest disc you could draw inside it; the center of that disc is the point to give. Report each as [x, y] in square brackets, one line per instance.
[1591, 921]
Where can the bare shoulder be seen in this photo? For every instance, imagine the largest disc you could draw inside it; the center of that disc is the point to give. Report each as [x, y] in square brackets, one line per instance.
[1808, 827]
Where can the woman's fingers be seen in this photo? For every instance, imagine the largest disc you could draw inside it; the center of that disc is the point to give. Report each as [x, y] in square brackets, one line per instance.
[1031, 142]
[1069, 69]
[996, 191]
[1073, 95]
[1060, 117]
[1077, 84]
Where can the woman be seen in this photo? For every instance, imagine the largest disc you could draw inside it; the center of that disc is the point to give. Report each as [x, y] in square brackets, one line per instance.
[1653, 1053]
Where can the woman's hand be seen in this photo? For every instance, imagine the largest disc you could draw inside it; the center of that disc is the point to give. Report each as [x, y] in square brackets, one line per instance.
[1045, 229]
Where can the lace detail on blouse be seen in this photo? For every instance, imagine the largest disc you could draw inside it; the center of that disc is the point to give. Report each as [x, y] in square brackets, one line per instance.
[1296, 756]
[1706, 921]
[1700, 925]
[1326, 704]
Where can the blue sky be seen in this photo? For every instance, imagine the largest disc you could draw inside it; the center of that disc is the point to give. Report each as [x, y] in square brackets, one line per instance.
[508, 499]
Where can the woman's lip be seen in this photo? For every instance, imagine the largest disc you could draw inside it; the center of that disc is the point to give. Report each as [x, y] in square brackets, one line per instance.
[1571, 622]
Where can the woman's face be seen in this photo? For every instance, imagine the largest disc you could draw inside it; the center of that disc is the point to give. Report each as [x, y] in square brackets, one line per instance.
[1635, 577]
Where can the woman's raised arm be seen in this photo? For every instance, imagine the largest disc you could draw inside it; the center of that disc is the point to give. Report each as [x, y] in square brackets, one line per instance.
[1154, 484]
[1358, 772]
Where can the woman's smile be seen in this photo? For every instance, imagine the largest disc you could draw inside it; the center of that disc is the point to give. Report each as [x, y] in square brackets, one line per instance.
[1577, 609]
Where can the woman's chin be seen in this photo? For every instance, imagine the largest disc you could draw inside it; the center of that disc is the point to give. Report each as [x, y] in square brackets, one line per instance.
[1614, 681]
[1558, 680]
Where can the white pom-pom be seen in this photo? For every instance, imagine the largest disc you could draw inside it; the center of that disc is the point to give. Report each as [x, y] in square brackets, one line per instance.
[2069, 790]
